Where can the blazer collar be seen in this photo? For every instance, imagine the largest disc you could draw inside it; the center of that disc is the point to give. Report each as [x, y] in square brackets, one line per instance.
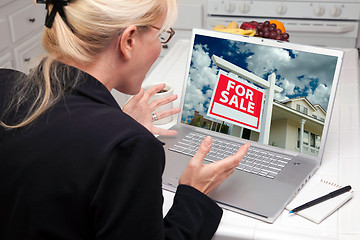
[91, 87]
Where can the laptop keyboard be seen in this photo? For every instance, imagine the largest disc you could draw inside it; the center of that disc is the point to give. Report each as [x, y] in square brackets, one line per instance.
[256, 161]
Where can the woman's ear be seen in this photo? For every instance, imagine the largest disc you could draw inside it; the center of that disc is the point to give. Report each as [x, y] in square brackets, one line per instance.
[127, 41]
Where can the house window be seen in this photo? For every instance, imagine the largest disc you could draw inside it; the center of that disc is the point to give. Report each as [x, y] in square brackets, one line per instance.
[246, 133]
[318, 118]
[309, 139]
[317, 141]
[298, 138]
[301, 109]
[312, 139]
[306, 138]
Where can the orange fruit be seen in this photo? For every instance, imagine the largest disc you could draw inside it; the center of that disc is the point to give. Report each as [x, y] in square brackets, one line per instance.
[279, 25]
[233, 24]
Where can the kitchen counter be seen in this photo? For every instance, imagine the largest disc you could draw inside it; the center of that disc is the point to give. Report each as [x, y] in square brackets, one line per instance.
[341, 163]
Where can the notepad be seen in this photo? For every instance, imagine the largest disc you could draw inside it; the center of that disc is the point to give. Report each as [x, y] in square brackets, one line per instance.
[322, 210]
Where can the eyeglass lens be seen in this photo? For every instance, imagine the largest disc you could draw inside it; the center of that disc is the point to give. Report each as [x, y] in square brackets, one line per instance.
[164, 37]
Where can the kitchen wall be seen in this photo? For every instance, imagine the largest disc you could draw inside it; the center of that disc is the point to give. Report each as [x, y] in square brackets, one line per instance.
[19, 45]
[21, 24]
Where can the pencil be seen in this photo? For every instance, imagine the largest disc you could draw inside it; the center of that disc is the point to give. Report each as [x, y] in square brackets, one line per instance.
[322, 199]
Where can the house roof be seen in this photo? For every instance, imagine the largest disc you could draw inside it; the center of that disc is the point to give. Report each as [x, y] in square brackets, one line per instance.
[294, 111]
[314, 107]
[320, 107]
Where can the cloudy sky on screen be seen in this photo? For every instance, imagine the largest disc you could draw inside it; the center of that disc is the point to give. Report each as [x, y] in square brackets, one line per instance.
[300, 74]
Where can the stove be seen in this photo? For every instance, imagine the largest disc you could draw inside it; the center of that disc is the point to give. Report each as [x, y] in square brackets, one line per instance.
[318, 22]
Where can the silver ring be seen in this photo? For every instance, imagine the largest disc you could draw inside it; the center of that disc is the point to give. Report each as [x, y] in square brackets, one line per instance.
[154, 117]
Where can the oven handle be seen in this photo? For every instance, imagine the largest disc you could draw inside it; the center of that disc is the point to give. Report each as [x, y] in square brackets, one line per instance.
[320, 28]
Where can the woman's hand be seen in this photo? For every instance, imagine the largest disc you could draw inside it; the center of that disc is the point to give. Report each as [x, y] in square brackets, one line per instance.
[206, 177]
[139, 108]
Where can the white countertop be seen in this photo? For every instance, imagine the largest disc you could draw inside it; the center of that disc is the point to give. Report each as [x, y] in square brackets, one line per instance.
[341, 162]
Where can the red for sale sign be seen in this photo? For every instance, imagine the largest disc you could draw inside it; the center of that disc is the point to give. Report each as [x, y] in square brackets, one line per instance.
[237, 101]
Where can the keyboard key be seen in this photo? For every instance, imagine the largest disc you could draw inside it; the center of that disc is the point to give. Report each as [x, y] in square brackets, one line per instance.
[256, 161]
[271, 175]
[247, 169]
[241, 166]
[255, 170]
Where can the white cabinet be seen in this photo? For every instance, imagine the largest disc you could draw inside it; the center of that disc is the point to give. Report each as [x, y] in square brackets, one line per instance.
[28, 53]
[4, 2]
[26, 20]
[21, 26]
[6, 60]
[5, 39]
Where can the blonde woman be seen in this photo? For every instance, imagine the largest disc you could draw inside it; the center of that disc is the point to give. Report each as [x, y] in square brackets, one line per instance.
[73, 164]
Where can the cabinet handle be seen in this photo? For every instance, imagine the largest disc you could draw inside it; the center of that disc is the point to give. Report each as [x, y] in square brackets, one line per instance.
[32, 20]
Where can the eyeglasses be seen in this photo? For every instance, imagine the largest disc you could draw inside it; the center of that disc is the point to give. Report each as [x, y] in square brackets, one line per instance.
[165, 36]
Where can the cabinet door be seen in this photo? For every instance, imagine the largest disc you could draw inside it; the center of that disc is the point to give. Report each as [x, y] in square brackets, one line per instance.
[5, 40]
[29, 53]
[5, 60]
[26, 21]
[4, 2]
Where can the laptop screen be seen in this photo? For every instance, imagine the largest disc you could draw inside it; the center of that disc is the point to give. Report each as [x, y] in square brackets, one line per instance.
[274, 93]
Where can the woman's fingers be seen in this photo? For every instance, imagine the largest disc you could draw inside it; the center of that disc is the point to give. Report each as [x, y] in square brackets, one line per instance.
[201, 153]
[136, 98]
[163, 132]
[206, 177]
[233, 161]
[162, 101]
[164, 114]
[153, 90]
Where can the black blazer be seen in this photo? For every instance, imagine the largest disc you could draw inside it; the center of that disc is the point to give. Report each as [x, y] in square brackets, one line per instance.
[86, 170]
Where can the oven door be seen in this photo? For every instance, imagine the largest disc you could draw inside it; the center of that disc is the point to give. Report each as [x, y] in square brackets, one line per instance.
[312, 32]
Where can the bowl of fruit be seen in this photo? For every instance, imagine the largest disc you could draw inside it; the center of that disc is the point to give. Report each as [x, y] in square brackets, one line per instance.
[272, 29]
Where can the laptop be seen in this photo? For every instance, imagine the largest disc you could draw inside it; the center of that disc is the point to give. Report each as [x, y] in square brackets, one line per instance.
[277, 95]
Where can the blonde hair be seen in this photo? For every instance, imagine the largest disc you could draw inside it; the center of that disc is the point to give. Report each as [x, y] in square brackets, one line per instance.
[93, 26]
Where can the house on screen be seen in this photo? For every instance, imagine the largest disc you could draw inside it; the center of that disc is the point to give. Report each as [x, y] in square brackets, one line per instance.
[300, 123]
[296, 124]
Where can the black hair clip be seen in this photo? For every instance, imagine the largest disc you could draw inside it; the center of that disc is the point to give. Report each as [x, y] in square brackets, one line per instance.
[44, 1]
[58, 7]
